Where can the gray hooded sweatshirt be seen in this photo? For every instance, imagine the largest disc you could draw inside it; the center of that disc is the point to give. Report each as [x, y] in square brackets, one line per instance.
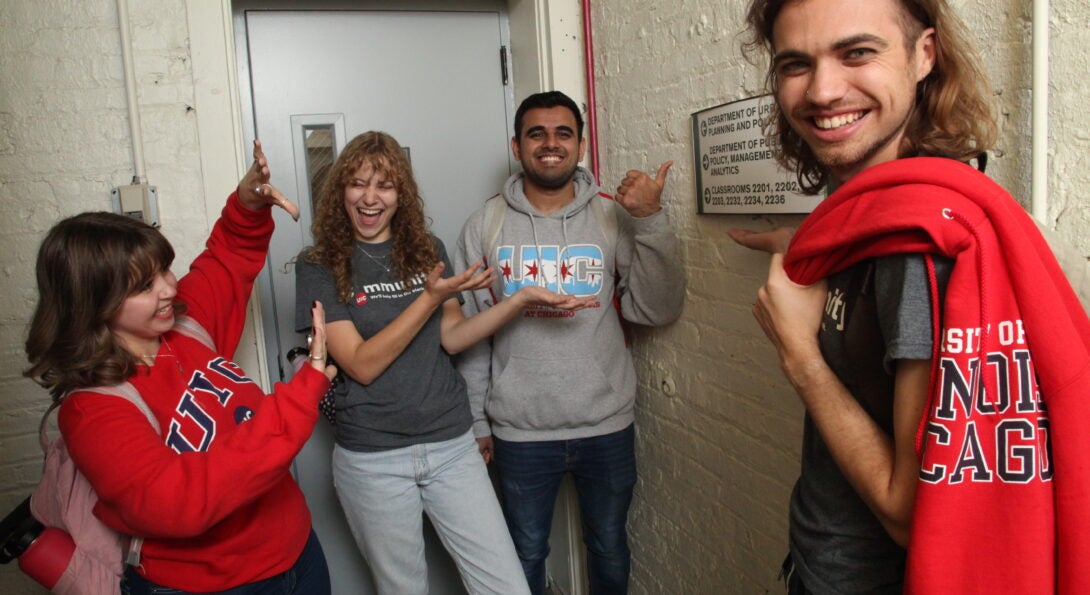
[553, 374]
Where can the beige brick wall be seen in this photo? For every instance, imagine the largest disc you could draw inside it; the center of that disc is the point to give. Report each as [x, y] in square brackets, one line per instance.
[718, 460]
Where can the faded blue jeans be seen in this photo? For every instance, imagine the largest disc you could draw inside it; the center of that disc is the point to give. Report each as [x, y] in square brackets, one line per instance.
[384, 495]
[604, 470]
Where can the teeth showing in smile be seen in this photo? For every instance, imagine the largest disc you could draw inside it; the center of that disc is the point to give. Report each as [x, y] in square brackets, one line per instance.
[552, 158]
[837, 121]
[164, 310]
[369, 212]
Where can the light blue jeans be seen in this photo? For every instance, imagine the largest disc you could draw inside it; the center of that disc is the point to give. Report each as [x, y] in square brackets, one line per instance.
[384, 495]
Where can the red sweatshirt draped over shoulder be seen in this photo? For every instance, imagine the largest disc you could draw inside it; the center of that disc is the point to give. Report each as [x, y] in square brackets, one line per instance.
[1003, 500]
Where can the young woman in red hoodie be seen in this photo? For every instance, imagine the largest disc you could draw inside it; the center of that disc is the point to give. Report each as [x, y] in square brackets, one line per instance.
[209, 492]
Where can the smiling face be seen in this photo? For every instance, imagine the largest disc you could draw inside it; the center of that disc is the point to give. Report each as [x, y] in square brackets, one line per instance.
[146, 314]
[845, 78]
[549, 148]
[370, 201]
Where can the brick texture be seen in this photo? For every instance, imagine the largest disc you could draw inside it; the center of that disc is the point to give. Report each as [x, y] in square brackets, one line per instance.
[718, 456]
[64, 144]
[718, 459]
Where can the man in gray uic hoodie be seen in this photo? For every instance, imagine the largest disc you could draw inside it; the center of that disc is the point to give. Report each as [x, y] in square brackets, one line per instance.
[553, 391]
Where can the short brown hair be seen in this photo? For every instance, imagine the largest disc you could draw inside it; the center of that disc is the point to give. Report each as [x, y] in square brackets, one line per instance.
[954, 114]
[87, 265]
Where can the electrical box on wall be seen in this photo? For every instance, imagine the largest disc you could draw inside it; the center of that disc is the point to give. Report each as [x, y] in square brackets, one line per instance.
[139, 201]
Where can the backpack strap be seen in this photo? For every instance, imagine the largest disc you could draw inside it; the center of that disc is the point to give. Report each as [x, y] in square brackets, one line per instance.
[184, 325]
[126, 391]
[494, 210]
[189, 327]
[605, 212]
[43, 440]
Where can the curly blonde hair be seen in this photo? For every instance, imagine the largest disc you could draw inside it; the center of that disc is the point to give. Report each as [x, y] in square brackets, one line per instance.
[954, 115]
[413, 250]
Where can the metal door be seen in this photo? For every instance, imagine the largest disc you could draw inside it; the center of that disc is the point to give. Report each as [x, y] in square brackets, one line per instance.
[317, 78]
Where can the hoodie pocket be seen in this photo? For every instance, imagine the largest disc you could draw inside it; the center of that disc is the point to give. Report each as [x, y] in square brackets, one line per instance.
[553, 393]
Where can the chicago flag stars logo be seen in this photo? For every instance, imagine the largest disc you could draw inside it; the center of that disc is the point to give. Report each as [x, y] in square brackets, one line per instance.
[573, 270]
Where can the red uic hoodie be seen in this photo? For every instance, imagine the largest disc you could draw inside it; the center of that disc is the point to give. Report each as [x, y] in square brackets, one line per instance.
[1003, 500]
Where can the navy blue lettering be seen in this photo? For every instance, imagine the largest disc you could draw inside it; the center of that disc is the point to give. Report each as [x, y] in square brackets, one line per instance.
[971, 459]
[1015, 451]
[199, 383]
[1027, 382]
[997, 362]
[188, 407]
[942, 437]
[229, 369]
[954, 384]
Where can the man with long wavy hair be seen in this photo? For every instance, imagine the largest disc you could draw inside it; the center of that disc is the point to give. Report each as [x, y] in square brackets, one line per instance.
[886, 301]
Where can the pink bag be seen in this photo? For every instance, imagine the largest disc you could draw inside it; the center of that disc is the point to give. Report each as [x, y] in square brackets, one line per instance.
[64, 500]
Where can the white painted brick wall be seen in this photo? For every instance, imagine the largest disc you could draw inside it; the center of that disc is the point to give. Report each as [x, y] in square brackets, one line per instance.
[717, 461]
[64, 144]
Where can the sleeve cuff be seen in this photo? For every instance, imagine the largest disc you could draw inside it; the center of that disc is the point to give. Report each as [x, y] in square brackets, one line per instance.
[650, 224]
[481, 429]
[248, 217]
[312, 381]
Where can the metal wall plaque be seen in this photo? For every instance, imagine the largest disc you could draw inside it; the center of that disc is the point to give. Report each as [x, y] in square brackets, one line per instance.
[735, 169]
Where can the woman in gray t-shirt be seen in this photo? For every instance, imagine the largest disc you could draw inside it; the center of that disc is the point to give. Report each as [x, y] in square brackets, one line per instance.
[404, 443]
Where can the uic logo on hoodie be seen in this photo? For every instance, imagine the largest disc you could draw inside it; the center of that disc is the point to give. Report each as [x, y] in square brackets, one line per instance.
[576, 269]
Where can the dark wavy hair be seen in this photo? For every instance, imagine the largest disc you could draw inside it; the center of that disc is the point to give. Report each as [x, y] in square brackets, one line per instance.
[547, 100]
[87, 265]
[413, 250]
[954, 114]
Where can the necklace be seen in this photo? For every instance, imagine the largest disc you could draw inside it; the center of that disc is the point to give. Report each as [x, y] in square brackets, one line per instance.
[149, 359]
[376, 261]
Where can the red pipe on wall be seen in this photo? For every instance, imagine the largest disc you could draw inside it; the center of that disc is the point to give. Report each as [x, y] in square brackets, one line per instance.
[592, 109]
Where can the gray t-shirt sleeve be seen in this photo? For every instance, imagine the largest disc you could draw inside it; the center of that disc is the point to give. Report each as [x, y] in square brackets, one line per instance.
[903, 296]
[315, 283]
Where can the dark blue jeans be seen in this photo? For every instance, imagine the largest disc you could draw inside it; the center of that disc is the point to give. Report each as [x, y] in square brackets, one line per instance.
[604, 470]
[308, 576]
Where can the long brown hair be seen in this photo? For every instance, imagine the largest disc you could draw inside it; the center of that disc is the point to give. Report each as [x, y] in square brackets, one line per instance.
[413, 250]
[87, 265]
[954, 115]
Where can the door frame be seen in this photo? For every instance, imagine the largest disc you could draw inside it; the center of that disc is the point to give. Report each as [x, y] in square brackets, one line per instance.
[547, 53]
[550, 57]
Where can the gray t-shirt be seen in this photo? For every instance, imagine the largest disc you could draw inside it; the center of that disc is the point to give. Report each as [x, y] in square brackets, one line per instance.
[877, 311]
[421, 397]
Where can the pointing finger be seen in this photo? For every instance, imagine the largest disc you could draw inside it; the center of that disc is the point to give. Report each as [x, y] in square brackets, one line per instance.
[288, 207]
